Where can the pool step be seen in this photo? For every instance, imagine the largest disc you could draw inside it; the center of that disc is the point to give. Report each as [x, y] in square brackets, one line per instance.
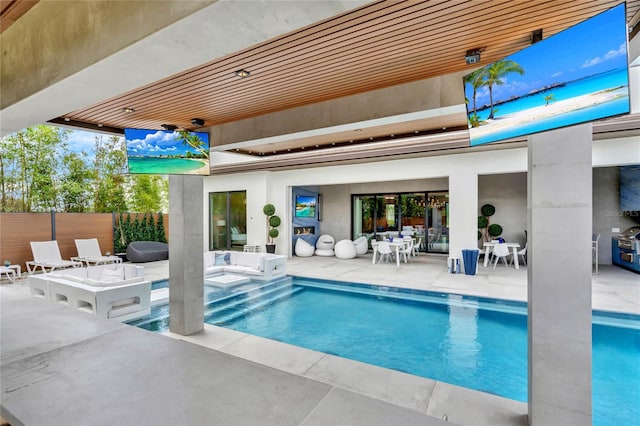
[246, 298]
[228, 313]
[249, 294]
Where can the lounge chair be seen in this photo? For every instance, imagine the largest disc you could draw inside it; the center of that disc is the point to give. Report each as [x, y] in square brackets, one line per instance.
[46, 255]
[89, 253]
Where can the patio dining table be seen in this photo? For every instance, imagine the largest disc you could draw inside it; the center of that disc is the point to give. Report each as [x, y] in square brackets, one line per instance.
[513, 246]
[397, 246]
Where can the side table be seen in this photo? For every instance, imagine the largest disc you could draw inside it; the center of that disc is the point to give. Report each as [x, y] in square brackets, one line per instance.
[11, 271]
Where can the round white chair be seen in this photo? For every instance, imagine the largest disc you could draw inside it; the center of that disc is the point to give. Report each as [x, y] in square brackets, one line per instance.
[345, 249]
[303, 248]
[361, 244]
[324, 245]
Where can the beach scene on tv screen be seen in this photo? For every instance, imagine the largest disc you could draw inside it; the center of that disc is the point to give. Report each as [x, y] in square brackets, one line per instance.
[167, 152]
[305, 206]
[575, 76]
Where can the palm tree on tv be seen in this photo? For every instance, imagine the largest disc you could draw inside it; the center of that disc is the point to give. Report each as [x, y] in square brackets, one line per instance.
[192, 139]
[476, 79]
[495, 75]
[548, 98]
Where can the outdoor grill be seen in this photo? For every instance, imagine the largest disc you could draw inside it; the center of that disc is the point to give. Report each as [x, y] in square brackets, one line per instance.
[630, 239]
[625, 249]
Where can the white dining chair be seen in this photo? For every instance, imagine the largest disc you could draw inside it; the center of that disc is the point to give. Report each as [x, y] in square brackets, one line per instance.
[500, 251]
[407, 248]
[416, 246]
[522, 254]
[384, 251]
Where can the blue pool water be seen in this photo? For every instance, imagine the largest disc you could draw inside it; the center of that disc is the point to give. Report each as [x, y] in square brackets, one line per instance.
[472, 342]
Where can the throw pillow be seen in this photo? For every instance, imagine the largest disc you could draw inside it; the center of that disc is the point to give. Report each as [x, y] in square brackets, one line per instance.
[220, 260]
[111, 275]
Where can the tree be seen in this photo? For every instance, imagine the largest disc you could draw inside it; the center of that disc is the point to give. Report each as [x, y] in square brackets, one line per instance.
[193, 140]
[110, 180]
[495, 76]
[476, 79]
[548, 98]
[75, 185]
[29, 165]
[146, 193]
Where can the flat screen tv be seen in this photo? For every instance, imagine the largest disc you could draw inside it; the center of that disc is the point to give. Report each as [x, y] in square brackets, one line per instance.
[166, 152]
[630, 188]
[575, 76]
[305, 206]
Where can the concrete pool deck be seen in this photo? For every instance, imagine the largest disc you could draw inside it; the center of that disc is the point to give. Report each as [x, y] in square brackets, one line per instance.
[65, 367]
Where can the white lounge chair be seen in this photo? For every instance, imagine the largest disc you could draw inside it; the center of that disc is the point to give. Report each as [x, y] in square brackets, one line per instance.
[89, 253]
[46, 255]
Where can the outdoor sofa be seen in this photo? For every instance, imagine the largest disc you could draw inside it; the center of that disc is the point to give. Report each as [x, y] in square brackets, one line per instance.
[147, 251]
[109, 291]
[260, 266]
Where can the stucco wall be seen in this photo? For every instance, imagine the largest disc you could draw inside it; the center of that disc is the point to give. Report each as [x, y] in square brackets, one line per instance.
[508, 194]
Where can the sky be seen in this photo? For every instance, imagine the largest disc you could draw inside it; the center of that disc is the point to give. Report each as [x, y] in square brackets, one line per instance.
[590, 47]
[81, 140]
[155, 143]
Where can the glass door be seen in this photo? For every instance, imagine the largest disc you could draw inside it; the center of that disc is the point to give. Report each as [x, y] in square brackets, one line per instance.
[227, 220]
[412, 216]
[437, 209]
[363, 216]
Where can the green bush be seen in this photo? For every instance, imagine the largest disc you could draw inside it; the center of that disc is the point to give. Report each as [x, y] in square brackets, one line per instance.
[495, 230]
[482, 222]
[487, 210]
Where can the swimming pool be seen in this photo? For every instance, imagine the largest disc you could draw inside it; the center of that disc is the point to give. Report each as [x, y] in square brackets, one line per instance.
[467, 341]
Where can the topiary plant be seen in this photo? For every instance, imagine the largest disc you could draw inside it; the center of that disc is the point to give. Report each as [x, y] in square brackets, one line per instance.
[273, 222]
[487, 210]
[484, 228]
[495, 230]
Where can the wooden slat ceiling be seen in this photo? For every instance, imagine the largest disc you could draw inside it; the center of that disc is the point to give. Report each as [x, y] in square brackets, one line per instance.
[379, 45]
[12, 10]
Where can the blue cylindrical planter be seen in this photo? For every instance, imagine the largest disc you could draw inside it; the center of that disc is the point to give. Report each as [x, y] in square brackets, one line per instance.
[470, 259]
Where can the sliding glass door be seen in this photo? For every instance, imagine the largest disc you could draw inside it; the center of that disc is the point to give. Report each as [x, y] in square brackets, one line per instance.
[227, 220]
[438, 222]
[380, 215]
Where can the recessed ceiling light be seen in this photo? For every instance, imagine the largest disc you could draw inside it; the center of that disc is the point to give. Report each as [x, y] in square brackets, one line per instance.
[392, 135]
[128, 109]
[99, 124]
[242, 73]
[67, 119]
[317, 146]
[358, 130]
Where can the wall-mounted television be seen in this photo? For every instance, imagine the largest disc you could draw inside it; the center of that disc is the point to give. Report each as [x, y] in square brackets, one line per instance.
[166, 152]
[306, 206]
[575, 76]
[630, 188]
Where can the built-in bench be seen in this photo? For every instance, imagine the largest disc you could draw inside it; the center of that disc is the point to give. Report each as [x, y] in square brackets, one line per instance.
[259, 266]
[113, 291]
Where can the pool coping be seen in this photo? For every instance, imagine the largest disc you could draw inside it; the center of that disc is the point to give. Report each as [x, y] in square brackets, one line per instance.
[426, 396]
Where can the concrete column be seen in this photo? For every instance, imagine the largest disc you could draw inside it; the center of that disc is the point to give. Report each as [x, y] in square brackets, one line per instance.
[559, 276]
[463, 213]
[634, 88]
[186, 269]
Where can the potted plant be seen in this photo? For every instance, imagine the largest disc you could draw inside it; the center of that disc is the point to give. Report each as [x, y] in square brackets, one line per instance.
[273, 222]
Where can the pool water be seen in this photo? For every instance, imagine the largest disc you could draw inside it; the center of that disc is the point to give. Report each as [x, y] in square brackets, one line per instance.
[467, 341]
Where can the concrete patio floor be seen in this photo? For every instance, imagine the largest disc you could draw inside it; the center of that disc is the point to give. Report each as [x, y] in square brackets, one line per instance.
[65, 367]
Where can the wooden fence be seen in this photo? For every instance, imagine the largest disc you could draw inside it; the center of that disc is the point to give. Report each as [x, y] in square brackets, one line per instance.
[17, 230]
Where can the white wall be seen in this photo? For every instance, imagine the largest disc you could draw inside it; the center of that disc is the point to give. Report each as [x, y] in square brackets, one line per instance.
[508, 194]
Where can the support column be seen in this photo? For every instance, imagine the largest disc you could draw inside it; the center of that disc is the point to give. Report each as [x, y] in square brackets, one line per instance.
[463, 213]
[186, 240]
[559, 276]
